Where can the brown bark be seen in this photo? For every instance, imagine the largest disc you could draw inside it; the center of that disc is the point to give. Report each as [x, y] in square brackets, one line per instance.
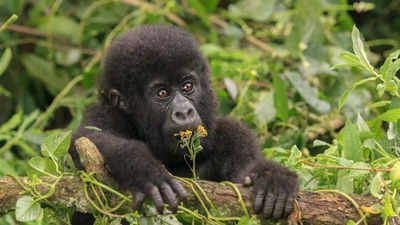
[318, 208]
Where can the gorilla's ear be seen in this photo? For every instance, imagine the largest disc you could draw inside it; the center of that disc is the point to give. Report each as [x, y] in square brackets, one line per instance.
[116, 99]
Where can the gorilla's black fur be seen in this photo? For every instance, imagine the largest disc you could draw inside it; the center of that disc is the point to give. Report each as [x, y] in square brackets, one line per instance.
[155, 83]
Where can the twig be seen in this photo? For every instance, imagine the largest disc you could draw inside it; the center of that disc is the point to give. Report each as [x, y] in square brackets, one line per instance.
[11, 20]
[34, 32]
[344, 167]
[31, 31]
[174, 18]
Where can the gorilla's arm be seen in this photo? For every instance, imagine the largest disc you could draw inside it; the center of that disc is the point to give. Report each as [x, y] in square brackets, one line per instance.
[129, 160]
[239, 159]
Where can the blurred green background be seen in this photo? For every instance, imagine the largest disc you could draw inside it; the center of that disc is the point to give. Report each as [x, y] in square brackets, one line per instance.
[271, 66]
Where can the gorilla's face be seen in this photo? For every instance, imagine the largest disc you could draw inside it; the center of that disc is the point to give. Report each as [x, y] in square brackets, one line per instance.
[159, 78]
[172, 102]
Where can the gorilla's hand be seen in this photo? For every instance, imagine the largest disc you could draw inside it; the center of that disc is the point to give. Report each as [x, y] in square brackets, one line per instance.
[160, 187]
[275, 191]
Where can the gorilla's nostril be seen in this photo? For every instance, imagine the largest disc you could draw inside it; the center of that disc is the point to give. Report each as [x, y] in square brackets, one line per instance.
[190, 113]
[179, 115]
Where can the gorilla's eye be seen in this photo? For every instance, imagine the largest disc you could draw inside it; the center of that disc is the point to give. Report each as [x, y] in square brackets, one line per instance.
[187, 87]
[162, 93]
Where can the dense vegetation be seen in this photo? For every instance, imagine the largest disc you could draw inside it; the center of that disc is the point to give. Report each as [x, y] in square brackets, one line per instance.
[323, 99]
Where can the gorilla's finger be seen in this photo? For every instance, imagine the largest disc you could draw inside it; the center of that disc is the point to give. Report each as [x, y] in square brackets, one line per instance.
[179, 189]
[289, 206]
[167, 193]
[258, 201]
[279, 206]
[138, 198]
[157, 199]
[269, 203]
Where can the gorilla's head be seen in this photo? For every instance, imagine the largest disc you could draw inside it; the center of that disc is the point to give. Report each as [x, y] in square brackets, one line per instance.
[158, 77]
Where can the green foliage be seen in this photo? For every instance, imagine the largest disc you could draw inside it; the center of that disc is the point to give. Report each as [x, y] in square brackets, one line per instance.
[54, 148]
[257, 10]
[27, 209]
[351, 143]
[280, 99]
[283, 67]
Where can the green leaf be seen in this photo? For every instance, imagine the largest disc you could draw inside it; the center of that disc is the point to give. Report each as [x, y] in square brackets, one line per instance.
[5, 60]
[28, 119]
[380, 89]
[8, 22]
[7, 167]
[264, 110]
[89, 78]
[376, 186]
[12, 123]
[280, 98]
[351, 143]
[380, 104]
[56, 145]
[44, 71]
[62, 26]
[149, 209]
[351, 60]
[248, 220]
[293, 159]
[345, 181]
[343, 98]
[42, 165]
[4, 92]
[361, 124]
[395, 172]
[358, 48]
[391, 66]
[307, 27]
[27, 209]
[200, 9]
[391, 86]
[210, 5]
[210, 49]
[387, 205]
[317, 143]
[390, 116]
[231, 87]
[309, 93]
[258, 10]
[68, 57]
[351, 222]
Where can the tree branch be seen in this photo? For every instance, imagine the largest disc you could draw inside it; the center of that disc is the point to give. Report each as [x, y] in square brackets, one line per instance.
[318, 208]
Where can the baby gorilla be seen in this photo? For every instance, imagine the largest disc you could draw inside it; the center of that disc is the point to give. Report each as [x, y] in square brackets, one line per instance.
[156, 82]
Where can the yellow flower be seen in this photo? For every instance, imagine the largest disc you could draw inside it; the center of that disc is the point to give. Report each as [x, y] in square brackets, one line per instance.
[202, 130]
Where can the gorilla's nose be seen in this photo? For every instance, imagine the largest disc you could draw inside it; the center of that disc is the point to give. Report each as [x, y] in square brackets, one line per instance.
[184, 115]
